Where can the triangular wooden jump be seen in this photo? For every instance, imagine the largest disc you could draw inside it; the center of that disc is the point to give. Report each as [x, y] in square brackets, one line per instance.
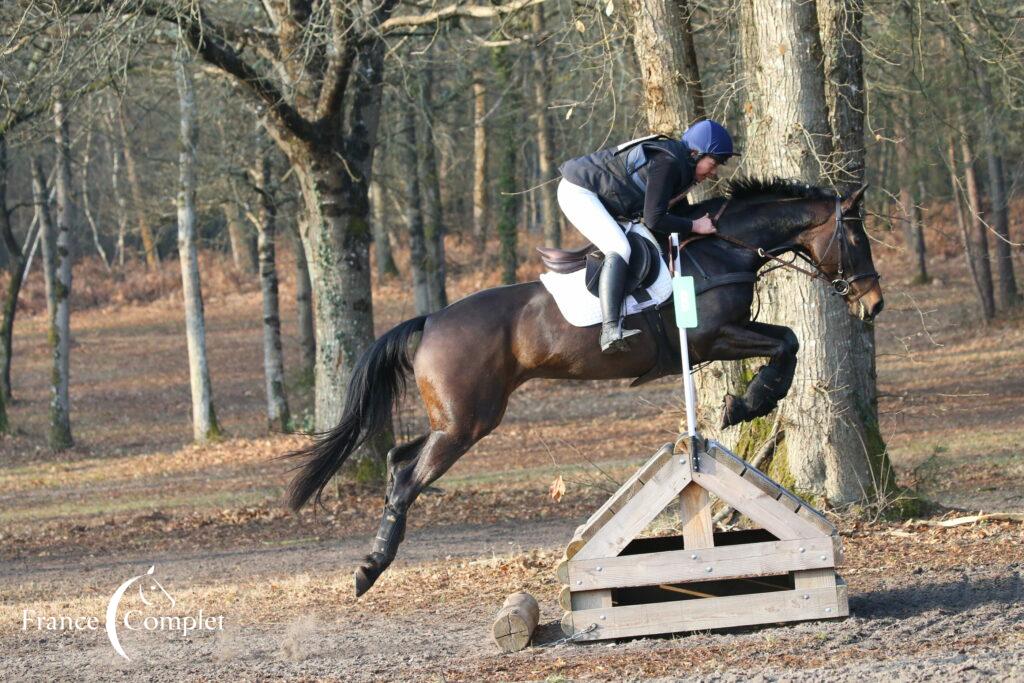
[619, 585]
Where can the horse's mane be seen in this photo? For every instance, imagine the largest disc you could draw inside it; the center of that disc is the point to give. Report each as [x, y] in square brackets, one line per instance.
[763, 188]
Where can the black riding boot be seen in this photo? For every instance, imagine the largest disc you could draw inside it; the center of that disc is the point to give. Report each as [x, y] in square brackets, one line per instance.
[610, 287]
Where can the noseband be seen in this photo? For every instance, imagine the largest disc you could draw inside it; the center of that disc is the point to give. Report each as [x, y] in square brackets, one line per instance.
[840, 285]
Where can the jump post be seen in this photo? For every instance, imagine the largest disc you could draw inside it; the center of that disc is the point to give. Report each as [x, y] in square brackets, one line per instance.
[618, 584]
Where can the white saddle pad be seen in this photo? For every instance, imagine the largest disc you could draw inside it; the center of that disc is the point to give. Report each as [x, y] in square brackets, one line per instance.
[582, 309]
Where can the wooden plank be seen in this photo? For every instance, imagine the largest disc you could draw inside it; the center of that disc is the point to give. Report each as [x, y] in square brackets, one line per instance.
[814, 578]
[695, 514]
[642, 508]
[842, 596]
[623, 495]
[727, 459]
[770, 488]
[582, 600]
[837, 550]
[817, 519]
[680, 566]
[709, 613]
[751, 501]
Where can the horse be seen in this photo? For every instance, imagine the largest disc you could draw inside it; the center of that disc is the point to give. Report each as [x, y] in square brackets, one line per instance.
[474, 353]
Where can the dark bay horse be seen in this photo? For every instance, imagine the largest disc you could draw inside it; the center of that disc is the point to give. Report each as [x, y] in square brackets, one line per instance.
[473, 354]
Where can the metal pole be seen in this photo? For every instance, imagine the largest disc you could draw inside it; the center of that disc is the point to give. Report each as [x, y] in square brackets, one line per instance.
[684, 350]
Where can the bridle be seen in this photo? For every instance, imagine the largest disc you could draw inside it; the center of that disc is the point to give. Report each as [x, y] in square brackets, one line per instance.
[840, 285]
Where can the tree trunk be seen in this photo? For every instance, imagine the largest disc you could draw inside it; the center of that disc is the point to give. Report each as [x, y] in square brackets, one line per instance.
[386, 267]
[243, 249]
[433, 211]
[691, 67]
[907, 206]
[1008, 294]
[278, 416]
[832, 447]
[115, 154]
[551, 217]
[16, 273]
[145, 232]
[669, 95]
[86, 206]
[481, 212]
[508, 214]
[304, 311]
[977, 234]
[59, 435]
[414, 212]
[204, 419]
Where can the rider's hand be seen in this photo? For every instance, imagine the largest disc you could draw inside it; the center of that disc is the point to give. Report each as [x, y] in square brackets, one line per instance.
[704, 226]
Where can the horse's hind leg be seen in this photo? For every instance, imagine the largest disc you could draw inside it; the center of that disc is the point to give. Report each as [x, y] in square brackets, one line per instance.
[420, 463]
[772, 381]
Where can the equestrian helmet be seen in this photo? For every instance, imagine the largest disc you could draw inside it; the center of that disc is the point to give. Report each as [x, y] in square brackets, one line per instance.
[710, 138]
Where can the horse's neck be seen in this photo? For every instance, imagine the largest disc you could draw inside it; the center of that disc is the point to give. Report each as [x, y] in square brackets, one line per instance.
[776, 237]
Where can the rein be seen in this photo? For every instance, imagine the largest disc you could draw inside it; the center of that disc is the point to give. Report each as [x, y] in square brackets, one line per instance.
[840, 285]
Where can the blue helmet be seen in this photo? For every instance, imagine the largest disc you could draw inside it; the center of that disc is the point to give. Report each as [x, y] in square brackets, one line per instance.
[709, 137]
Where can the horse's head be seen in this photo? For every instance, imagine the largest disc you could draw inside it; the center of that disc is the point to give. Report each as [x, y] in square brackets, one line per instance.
[840, 248]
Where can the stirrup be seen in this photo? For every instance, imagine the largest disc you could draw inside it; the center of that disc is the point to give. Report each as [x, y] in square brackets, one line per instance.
[614, 339]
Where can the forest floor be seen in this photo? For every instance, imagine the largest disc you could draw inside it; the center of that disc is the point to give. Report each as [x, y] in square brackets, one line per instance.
[927, 602]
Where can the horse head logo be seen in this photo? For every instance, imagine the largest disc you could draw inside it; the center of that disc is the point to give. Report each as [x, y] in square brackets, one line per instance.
[147, 583]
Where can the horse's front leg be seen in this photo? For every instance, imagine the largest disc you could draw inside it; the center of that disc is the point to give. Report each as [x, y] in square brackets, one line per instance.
[772, 381]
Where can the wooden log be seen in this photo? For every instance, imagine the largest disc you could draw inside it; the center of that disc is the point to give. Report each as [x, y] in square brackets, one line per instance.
[515, 622]
[567, 627]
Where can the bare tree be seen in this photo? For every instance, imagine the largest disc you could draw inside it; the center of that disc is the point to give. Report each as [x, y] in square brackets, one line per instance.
[414, 210]
[135, 183]
[481, 213]
[831, 439]
[304, 310]
[204, 419]
[976, 237]
[243, 250]
[433, 211]
[551, 217]
[278, 416]
[381, 243]
[59, 435]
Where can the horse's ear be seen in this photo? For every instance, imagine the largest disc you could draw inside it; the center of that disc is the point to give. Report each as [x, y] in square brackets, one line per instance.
[855, 198]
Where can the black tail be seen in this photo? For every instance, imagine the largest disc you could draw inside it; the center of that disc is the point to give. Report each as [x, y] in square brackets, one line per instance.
[378, 380]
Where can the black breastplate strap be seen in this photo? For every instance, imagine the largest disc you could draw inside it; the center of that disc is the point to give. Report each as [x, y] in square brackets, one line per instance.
[706, 282]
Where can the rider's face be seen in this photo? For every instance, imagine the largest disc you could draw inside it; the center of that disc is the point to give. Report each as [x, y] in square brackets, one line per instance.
[706, 168]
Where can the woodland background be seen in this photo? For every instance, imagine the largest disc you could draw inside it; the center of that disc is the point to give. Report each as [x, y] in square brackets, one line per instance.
[231, 199]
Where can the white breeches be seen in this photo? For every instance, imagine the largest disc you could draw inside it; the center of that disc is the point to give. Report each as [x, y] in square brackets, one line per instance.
[585, 211]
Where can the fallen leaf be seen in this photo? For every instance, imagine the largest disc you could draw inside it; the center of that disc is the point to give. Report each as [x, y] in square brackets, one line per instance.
[557, 489]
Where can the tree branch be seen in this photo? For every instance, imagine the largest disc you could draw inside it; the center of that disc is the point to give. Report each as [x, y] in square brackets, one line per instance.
[457, 10]
[208, 40]
[339, 64]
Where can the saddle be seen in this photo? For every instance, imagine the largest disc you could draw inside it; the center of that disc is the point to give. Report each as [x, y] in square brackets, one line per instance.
[641, 272]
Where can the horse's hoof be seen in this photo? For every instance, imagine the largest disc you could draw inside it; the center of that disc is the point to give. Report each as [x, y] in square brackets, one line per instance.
[367, 575]
[734, 412]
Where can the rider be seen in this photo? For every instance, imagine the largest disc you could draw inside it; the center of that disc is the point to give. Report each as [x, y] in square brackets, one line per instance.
[637, 179]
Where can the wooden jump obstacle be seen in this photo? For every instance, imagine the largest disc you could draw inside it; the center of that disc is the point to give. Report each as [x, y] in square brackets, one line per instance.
[618, 585]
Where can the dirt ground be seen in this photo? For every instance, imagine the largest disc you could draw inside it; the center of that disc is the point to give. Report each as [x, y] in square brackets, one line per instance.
[927, 602]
